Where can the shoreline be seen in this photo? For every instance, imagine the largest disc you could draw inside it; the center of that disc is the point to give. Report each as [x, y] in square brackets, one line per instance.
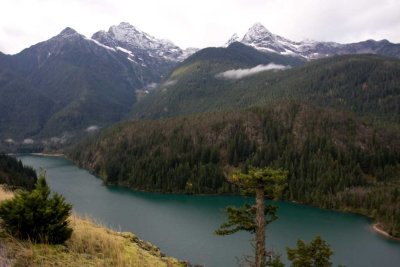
[378, 230]
[375, 227]
[48, 154]
[38, 154]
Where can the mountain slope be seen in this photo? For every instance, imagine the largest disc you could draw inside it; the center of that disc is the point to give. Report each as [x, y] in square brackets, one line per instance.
[260, 38]
[72, 82]
[23, 110]
[240, 55]
[334, 160]
[61, 88]
[194, 86]
[367, 85]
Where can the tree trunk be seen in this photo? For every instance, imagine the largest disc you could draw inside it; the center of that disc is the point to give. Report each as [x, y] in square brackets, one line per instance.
[260, 231]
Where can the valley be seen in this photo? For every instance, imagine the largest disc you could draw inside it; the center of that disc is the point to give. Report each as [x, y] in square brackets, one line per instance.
[146, 136]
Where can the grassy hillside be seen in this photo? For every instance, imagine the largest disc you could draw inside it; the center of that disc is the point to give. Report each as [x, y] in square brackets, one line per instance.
[367, 85]
[90, 245]
[334, 159]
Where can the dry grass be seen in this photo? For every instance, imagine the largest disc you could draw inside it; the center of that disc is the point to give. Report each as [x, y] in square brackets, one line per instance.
[5, 194]
[90, 245]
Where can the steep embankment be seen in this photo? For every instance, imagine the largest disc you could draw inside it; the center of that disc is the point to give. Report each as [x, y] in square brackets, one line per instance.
[334, 159]
[90, 245]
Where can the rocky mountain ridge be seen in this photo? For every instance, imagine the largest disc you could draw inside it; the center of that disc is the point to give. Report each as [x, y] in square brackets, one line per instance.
[261, 39]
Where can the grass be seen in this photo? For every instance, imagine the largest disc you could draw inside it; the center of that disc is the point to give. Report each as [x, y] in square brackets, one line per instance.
[5, 194]
[91, 244]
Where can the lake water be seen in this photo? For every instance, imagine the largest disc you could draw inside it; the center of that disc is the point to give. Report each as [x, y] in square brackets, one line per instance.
[182, 225]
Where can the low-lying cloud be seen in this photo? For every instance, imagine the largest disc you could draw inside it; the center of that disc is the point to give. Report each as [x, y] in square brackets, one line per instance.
[28, 141]
[151, 85]
[241, 73]
[170, 83]
[92, 128]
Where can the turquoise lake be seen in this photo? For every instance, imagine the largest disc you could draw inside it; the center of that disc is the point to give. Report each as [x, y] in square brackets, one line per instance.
[182, 225]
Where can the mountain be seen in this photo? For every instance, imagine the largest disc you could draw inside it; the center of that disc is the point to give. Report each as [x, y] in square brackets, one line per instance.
[334, 159]
[156, 55]
[366, 85]
[193, 86]
[240, 55]
[70, 85]
[262, 39]
[64, 86]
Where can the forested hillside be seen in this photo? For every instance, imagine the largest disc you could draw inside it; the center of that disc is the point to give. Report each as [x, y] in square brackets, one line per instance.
[367, 85]
[21, 105]
[334, 159]
[14, 174]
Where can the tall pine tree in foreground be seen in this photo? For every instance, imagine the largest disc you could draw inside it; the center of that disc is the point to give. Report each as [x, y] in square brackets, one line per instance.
[265, 182]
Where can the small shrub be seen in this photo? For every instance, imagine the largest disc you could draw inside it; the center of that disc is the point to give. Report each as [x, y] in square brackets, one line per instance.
[37, 216]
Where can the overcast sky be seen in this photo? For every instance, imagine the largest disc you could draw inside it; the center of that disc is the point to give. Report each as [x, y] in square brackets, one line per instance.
[200, 23]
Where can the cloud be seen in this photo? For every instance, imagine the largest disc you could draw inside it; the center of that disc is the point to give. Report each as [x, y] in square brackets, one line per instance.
[241, 73]
[170, 83]
[92, 128]
[28, 141]
[151, 85]
[58, 140]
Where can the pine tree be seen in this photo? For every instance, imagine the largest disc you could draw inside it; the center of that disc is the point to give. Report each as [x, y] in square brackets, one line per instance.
[315, 254]
[37, 216]
[264, 182]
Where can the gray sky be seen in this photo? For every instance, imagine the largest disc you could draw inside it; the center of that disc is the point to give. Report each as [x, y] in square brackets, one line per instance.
[200, 23]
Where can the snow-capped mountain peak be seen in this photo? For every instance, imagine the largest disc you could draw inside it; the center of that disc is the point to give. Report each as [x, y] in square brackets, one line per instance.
[261, 39]
[140, 43]
[257, 31]
[129, 34]
[234, 38]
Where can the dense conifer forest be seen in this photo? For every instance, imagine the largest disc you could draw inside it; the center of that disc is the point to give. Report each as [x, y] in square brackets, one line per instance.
[334, 159]
[366, 85]
[14, 174]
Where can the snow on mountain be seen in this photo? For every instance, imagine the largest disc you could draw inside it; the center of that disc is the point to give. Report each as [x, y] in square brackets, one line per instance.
[234, 38]
[187, 53]
[125, 32]
[102, 45]
[68, 40]
[262, 39]
[128, 37]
